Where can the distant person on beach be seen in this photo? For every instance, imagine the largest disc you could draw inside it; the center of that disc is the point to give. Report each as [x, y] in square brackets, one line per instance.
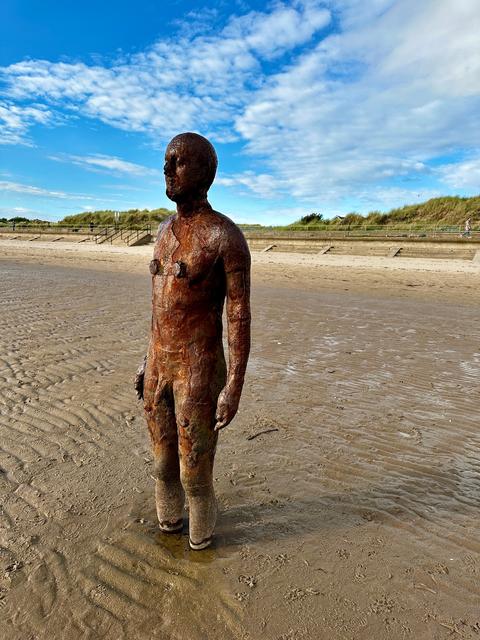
[200, 259]
[468, 228]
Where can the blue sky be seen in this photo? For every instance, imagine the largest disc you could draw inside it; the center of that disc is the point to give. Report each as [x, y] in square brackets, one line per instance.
[329, 106]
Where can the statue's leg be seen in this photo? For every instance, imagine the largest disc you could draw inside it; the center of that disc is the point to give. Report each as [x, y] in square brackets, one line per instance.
[159, 411]
[195, 407]
[196, 472]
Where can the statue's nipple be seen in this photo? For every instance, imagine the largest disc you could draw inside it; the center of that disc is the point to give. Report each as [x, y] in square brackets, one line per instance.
[154, 267]
[179, 269]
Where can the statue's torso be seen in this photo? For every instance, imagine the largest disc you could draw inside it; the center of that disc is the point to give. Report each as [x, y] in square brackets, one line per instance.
[188, 289]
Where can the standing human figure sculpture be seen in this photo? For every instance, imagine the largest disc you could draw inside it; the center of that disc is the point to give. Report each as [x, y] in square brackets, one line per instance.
[200, 259]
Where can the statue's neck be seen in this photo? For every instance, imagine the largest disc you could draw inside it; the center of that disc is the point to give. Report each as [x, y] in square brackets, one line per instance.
[190, 207]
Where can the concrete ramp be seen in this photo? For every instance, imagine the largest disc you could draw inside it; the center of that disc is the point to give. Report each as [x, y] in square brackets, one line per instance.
[325, 249]
[140, 239]
[394, 251]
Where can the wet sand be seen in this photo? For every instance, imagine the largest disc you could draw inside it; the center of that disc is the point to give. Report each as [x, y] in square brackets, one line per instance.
[354, 516]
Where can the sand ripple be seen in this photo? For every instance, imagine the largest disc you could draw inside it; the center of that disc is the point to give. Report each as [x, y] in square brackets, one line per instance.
[354, 513]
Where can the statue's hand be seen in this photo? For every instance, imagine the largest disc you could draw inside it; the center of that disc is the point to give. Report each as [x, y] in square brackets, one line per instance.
[139, 377]
[227, 406]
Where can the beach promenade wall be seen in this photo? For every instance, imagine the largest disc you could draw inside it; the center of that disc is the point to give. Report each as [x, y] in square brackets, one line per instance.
[392, 244]
[396, 246]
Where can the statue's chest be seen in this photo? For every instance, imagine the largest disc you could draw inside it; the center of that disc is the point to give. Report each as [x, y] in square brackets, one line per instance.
[188, 254]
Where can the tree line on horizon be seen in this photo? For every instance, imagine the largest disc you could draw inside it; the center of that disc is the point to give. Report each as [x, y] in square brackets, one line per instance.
[101, 218]
[106, 218]
[444, 211]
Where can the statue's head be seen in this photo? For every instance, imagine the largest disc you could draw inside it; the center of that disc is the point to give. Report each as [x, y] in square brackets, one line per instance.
[190, 166]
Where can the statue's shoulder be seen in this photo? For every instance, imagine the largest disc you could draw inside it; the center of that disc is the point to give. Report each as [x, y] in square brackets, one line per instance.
[227, 228]
[233, 246]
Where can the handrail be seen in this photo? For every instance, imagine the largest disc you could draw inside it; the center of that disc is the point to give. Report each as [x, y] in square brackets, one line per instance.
[414, 231]
[96, 229]
[109, 234]
[136, 234]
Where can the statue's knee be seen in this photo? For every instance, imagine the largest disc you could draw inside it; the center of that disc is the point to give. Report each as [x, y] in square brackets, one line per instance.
[195, 482]
[165, 470]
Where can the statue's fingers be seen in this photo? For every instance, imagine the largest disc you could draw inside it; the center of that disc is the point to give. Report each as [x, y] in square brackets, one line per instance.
[138, 386]
[221, 422]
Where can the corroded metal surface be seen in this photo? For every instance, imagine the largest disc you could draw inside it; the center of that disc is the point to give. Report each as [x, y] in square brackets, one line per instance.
[200, 260]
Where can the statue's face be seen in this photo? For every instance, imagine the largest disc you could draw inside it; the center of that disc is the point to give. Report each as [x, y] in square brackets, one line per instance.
[183, 171]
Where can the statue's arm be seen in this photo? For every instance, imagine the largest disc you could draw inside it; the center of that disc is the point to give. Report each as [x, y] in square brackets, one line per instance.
[236, 260]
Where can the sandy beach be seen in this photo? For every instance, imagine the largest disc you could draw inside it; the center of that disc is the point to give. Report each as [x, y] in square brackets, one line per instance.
[348, 484]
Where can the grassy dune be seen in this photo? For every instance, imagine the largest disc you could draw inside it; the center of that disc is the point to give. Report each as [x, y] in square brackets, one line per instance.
[445, 211]
[133, 217]
[448, 211]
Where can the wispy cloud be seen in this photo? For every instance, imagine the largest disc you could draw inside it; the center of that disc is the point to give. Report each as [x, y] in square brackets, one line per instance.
[107, 164]
[463, 175]
[393, 86]
[16, 120]
[191, 81]
[390, 197]
[377, 101]
[260, 184]
[26, 189]
[19, 211]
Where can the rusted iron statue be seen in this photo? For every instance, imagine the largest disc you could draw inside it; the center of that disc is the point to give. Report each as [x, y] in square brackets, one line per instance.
[200, 258]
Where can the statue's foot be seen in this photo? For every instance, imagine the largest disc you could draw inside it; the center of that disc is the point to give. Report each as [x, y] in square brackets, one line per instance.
[171, 527]
[198, 546]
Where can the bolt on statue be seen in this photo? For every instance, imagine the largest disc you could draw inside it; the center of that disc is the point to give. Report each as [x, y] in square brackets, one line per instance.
[200, 258]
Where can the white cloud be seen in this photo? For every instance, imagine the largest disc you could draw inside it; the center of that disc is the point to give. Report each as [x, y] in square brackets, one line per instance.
[463, 175]
[15, 210]
[16, 120]
[178, 84]
[261, 184]
[29, 190]
[371, 103]
[343, 115]
[390, 197]
[281, 30]
[107, 164]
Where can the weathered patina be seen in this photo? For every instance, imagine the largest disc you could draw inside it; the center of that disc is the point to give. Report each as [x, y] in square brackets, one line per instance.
[200, 260]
